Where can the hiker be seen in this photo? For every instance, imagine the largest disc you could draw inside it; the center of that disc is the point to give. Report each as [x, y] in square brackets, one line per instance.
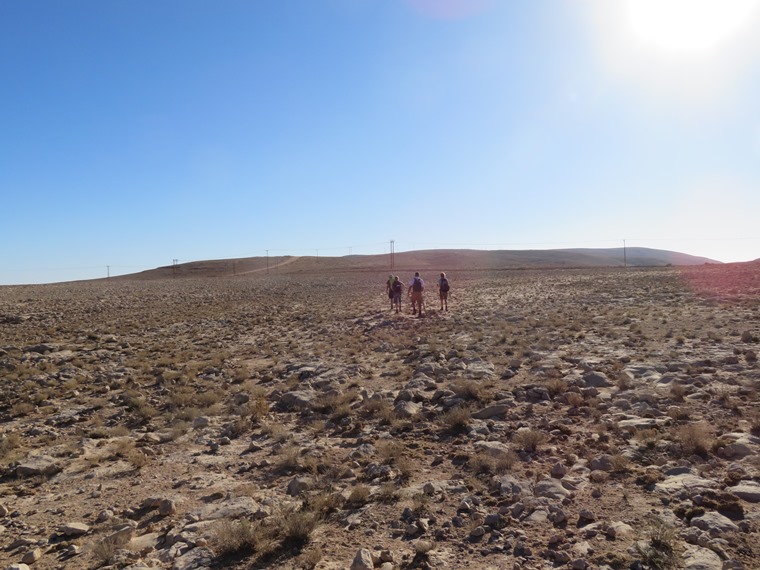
[443, 290]
[416, 288]
[398, 291]
[389, 288]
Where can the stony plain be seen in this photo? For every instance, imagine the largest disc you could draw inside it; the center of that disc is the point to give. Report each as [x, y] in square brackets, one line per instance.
[577, 418]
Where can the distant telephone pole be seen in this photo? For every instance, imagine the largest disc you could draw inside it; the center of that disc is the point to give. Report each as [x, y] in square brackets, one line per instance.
[393, 252]
[625, 256]
[174, 267]
[267, 262]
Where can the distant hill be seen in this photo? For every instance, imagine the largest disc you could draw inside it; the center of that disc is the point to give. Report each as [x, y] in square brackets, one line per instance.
[427, 260]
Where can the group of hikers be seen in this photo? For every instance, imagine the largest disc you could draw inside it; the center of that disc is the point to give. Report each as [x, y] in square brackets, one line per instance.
[415, 290]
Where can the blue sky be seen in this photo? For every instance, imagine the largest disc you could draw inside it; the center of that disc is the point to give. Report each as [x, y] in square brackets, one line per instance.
[135, 132]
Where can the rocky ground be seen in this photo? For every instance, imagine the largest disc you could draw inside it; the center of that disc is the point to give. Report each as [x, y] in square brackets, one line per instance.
[559, 419]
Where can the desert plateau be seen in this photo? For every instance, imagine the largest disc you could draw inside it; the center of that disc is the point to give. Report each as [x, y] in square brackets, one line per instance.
[573, 418]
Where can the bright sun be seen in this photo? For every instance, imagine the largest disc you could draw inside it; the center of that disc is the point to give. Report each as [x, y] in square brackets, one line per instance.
[688, 26]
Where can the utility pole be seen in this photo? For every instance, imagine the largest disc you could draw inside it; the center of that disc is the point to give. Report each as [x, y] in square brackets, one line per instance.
[625, 256]
[393, 252]
[267, 262]
[174, 267]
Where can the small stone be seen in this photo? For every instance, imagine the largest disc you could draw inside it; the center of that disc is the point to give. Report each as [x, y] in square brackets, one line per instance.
[166, 507]
[73, 550]
[74, 529]
[298, 485]
[362, 560]
[559, 470]
[32, 556]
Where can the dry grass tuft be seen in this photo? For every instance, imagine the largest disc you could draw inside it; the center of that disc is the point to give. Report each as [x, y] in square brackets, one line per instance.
[695, 439]
[359, 495]
[529, 439]
[286, 529]
[660, 550]
[456, 419]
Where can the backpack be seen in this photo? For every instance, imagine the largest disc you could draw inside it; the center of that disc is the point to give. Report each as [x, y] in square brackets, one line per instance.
[444, 285]
[417, 285]
[397, 286]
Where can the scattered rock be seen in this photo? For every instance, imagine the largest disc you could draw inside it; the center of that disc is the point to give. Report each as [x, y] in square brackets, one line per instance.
[363, 560]
[74, 529]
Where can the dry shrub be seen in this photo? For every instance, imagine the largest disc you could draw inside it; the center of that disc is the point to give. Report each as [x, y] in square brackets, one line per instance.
[456, 419]
[290, 527]
[505, 462]
[341, 412]
[556, 387]
[574, 399]
[649, 438]
[322, 503]
[529, 439]
[288, 459]
[481, 463]
[104, 552]
[420, 504]
[660, 550]
[679, 413]
[9, 443]
[295, 527]
[376, 406]
[695, 439]
[335, 403]
[308, 560]
[278, 432]
[359, 495]
[677, 391]
[620, 463]
[405, 466]
[468, 390]
[754, 424]
[388, 492]
[235, 428]
[22, 409]
[137, 459]
[389, 451]
[487, 463]
[208, 400]
[122, 447]
[234, 536]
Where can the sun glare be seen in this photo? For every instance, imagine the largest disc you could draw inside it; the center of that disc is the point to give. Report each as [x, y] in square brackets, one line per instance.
[688, 26]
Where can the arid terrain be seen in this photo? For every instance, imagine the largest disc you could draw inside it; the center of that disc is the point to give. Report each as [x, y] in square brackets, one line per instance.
[575, 418]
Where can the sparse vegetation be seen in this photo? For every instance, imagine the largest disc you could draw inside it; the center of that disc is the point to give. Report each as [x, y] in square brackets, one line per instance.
[267, 403]
[529, 439]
